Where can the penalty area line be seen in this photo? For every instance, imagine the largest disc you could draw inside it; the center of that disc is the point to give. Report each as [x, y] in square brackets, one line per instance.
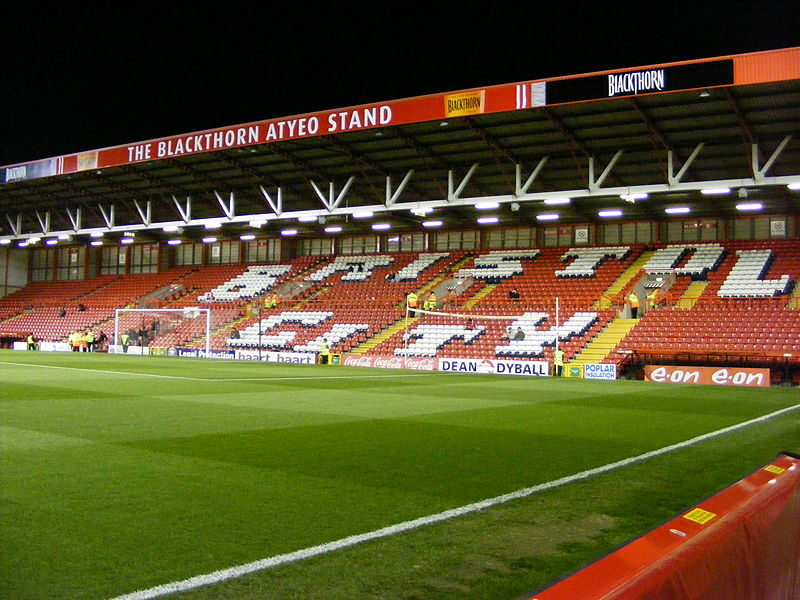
[220, 379]
[222, 575]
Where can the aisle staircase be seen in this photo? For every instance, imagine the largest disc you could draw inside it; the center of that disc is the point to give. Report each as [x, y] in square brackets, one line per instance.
[482, 293]
[692, 294]
[794, 300]
[622, 281]
[604, 342]
[382, 336]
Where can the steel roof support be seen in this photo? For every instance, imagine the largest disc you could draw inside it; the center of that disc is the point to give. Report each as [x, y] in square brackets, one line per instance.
[759, 174]
[146, 215]
[332, 201]
[16, 227]
[277, 204]
[674, 179]
[391, 197]
[44, 223]
[594, 185]
[454, 194]
[522, 189]
[230, 208]
[107, 217]
[76, 219]
[185, 213]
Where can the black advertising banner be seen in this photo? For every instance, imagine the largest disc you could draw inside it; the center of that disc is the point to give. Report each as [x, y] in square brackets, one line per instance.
[642, 81]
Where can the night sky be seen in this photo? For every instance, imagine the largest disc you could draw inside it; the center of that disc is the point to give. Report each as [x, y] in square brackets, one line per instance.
[75, 79]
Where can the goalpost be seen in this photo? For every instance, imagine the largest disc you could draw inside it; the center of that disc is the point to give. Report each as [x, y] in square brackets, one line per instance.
[162, 327]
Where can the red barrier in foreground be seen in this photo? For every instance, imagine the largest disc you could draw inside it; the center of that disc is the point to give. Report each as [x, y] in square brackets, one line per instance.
[741, 544]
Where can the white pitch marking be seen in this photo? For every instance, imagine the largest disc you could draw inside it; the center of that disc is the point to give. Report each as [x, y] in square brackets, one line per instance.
[220, 380]
[282, 559]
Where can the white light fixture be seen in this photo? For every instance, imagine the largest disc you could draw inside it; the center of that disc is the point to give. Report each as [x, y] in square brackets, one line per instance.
[289, 232]
[715, 191]
[487, 220]
[432, 224]
[170, 228]
[381, 226]
[363, 214]
[213, 225]
[749, 206]
[633, 197]
[547, 217]
[487, 205]
[306, 219]
[246, 237]
[65, 236]
[677, 210]
[609, 213]
[22, 244]
[258, 222]
[96, 234]
[794, 186]
[333, 229]
[209, 240]
[174, 242]
[5, 242]
[126, 240]
[97, 243]
[51, 242]
[557, 201]
[421, 212]
[34, 240]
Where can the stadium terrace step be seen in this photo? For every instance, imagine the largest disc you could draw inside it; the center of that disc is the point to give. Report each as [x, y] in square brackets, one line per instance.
[605, 341]
[692, 294]
[384, 335]
[623, 280]
[482, 293]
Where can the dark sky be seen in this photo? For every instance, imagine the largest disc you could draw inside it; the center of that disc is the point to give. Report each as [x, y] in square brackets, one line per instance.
[75, 79]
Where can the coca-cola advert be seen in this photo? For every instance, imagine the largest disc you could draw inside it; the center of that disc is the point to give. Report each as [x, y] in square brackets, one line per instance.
[389, 362]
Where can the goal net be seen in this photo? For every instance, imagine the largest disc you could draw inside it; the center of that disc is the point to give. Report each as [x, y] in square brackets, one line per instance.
[522, 333]
[145, 329]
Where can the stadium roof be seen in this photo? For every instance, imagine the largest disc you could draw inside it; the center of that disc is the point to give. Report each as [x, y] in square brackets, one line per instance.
[668, 131]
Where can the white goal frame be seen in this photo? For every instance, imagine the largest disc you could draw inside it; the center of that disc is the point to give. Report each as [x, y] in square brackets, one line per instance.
[156, 311]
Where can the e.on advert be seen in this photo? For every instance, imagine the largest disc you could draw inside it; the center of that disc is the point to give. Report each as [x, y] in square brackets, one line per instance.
[738, 376]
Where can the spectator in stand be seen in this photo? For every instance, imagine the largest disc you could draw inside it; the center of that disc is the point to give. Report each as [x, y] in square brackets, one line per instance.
[509, 334]
[513, 295]
[653, 299]
[430, 303]
[62, 313]
[412, 302]
[633, 300]
[558, 361]
[235, 334]
[75, 341]
[519, 335]
[81, 307]
[324, 352]
[102, 338]
[88, 338]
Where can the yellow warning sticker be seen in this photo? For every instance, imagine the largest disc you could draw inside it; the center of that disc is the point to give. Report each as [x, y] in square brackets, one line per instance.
[698, 515]
[774, 469]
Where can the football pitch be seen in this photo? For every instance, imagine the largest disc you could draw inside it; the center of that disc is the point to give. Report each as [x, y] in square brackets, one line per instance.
[134, 477]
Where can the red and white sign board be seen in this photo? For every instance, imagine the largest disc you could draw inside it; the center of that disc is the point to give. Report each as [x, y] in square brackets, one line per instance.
[736, 376]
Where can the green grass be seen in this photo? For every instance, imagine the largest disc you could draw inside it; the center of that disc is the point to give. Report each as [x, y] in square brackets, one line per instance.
[122, 473]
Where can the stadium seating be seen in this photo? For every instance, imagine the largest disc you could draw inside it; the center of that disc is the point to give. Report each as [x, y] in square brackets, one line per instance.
[350, 299]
